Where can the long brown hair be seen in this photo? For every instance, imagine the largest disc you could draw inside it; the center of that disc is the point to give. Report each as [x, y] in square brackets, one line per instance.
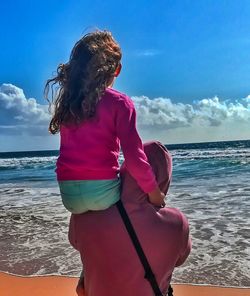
[83, 79]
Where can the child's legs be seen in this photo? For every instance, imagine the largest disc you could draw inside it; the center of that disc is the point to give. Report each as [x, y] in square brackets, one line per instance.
[72, 197]
[101, 194]
[82, 196]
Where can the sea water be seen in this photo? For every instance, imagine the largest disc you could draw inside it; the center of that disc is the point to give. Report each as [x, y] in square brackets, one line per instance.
[210, 184]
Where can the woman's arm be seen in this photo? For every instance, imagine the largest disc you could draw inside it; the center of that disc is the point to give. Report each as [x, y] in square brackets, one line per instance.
[186, 243]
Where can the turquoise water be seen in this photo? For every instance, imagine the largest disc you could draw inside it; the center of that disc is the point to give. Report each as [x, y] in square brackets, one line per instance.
[211, 185]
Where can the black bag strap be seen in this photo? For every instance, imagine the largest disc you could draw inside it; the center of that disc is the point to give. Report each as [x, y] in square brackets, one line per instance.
[149, 275]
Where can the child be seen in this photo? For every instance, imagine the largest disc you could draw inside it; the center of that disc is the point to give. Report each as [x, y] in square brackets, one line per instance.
[94, 121]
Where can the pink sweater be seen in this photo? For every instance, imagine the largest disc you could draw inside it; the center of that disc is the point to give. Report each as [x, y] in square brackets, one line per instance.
[91, 150]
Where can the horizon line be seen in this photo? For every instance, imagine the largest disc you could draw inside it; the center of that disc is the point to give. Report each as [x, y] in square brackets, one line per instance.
[170, 144]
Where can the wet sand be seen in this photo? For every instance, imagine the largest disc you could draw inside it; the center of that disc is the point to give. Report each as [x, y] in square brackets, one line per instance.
[11, 285]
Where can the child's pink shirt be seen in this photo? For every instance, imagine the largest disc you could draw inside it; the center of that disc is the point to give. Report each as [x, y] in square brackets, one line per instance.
[90, 151]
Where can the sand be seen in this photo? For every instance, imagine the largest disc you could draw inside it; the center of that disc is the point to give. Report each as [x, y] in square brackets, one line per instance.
[11, 285]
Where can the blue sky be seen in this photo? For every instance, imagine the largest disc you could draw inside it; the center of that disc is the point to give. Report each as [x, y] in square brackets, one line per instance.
[185, 51]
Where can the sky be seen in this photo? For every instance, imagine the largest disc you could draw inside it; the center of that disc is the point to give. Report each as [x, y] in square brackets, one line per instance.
[186, 65]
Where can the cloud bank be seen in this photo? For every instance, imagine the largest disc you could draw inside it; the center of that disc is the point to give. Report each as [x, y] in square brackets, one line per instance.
[161, 112]
[19, 115]
[23, 122]
[211, 119]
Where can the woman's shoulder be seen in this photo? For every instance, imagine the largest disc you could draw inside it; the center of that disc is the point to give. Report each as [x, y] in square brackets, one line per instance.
[177, 217]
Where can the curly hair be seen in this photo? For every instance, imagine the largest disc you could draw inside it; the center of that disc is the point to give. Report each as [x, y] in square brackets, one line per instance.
[83, 79]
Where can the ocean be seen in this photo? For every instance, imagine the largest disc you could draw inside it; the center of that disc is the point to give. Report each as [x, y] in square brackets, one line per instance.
[210, 184]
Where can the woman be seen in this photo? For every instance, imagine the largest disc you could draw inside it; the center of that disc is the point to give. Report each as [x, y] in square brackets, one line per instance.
[111, 264]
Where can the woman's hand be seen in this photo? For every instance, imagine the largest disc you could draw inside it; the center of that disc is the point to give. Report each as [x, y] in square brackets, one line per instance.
[156, 197]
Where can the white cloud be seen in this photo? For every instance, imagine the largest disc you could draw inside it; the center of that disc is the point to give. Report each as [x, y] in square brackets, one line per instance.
[19, 114]
[206, 112]
[206, 120]
[147, 53]
[25, 122]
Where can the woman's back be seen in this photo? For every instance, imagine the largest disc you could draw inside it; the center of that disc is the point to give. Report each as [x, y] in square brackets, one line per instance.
[111, 264]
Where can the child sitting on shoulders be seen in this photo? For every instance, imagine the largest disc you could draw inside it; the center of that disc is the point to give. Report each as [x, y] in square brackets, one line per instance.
[94, 122]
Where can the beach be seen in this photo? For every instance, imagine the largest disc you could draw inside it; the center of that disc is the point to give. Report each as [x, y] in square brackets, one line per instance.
[210, 185]
[65, 286]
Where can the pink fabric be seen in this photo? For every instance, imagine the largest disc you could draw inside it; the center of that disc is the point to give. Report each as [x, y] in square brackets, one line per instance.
[91, 150]
[111, 265]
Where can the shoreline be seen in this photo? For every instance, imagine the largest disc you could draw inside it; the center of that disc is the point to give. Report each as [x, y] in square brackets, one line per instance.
[50, 285]
[74, 277]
